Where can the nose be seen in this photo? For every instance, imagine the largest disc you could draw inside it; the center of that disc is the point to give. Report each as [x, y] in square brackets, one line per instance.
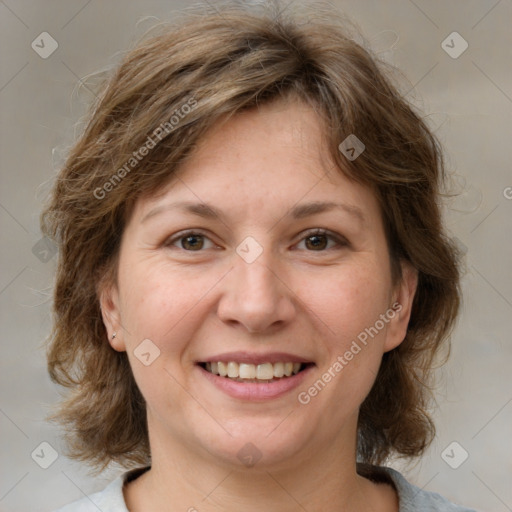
[256, 296]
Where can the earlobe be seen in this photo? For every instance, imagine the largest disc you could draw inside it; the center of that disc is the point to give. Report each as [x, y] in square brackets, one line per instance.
[402, 306]
[109, 304]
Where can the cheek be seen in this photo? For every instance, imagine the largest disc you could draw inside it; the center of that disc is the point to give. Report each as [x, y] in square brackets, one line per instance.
[162, 303]
[353, 303]
[158, 305]
[146, 300]
[349, 300]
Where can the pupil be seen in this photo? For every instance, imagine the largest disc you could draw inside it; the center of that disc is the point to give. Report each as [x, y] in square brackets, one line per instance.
[192, 242]
[317, 241]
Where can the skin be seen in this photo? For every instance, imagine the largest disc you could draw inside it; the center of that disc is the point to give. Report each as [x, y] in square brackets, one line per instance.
[297, 297]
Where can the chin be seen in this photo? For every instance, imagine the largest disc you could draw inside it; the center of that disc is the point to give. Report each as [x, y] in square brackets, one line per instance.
[257, 446]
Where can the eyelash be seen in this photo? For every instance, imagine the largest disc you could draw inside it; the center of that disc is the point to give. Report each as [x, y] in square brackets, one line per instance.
[340, 241]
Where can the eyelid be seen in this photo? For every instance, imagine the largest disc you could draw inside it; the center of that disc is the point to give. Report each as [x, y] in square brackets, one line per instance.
[339, 239]
[169, 241]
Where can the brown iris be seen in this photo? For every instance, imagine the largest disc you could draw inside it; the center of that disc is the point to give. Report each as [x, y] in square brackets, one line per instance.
[316, 242]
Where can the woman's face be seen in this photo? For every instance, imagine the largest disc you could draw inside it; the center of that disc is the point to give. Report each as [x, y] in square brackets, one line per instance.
[260, 258]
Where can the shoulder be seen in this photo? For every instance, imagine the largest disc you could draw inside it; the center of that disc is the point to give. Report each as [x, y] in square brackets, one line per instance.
[110, 499]
[414, 499]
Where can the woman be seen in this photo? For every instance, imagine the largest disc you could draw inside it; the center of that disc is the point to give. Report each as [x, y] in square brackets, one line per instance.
[253, 278]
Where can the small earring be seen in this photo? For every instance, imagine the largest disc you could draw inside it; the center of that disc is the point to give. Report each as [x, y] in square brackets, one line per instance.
[114, 335]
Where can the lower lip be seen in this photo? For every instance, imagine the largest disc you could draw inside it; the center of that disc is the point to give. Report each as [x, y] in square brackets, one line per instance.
[251, 391]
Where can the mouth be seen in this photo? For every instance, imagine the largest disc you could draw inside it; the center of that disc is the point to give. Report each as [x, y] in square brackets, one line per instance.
[264, 373]
[254, 377]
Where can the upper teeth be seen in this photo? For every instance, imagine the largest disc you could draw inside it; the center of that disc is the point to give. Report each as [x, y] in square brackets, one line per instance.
[265, 371]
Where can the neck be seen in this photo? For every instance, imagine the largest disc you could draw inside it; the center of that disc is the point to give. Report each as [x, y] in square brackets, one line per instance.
[182, 478]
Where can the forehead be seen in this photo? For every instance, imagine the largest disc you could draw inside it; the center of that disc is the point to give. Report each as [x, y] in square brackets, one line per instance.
[286, 129]
[262, 160]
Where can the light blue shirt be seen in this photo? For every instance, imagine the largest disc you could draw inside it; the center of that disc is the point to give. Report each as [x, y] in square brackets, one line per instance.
[410, 497]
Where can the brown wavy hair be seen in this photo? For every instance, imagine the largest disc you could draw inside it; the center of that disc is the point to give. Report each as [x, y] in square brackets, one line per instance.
[225, 60]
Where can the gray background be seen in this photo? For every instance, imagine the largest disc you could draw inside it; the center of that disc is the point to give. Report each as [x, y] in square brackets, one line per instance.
[469, 103]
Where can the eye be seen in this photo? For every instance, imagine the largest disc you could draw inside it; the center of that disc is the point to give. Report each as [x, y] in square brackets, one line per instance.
[319, 240]
[191, 241]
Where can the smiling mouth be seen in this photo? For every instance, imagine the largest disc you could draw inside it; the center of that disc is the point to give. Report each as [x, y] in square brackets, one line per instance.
[254, 373]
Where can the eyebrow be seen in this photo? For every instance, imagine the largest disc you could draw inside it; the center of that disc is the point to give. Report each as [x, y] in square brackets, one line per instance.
[300, 211]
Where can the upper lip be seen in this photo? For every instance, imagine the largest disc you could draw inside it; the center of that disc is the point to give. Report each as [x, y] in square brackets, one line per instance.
[255, 358]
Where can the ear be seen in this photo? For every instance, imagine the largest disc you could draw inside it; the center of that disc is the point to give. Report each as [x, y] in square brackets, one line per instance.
[110, 312]
[403, 297]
